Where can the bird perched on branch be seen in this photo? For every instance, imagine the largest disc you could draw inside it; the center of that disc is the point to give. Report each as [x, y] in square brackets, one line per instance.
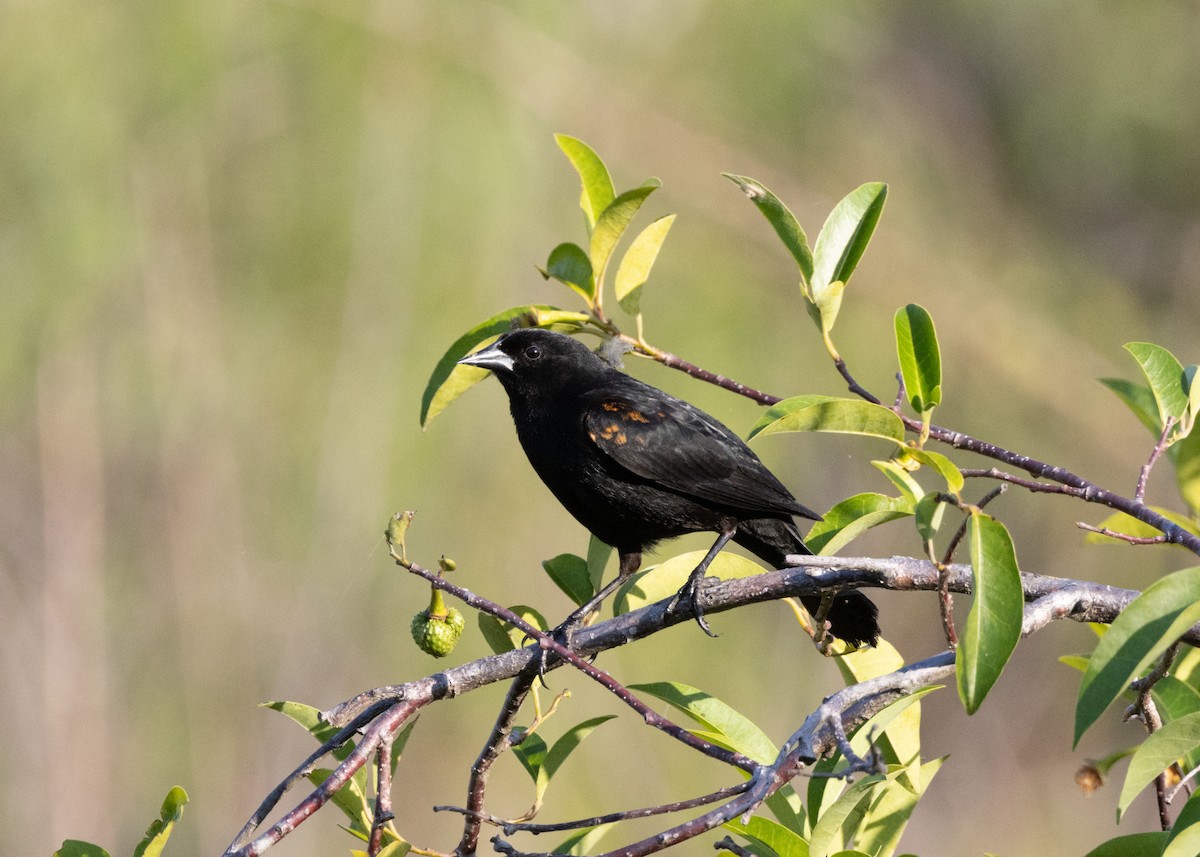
[636, 465]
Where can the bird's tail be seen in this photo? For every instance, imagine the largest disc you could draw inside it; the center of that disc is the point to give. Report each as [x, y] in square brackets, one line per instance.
[853, 616]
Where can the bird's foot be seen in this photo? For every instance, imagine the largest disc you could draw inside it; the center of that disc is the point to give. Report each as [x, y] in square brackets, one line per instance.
[689, 593]
[562, 635]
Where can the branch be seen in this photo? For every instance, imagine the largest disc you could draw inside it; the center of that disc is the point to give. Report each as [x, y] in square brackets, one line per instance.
[387, 709]
[842, 711]
[548, 643]
[384, 728]
[1139, 492]
[1067, 482]
[511, 827]
[823, 732]
[1123, 537]
[674, 361]
[496, 744]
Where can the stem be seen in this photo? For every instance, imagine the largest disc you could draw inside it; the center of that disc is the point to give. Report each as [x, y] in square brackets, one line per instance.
[1139, 493]
[1069, 483]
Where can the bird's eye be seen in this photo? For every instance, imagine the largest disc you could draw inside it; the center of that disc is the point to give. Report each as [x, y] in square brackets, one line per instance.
[533, 352]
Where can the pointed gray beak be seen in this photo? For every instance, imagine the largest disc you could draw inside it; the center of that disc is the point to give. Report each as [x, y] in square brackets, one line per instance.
[489, 358]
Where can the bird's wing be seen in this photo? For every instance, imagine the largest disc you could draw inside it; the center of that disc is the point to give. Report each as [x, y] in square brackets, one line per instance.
[682, 449]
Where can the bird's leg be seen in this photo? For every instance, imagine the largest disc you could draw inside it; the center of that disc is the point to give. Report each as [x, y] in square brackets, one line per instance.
[691, 589]
[628, 564]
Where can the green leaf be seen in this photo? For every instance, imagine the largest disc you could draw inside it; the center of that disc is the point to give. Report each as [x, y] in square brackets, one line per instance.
[597, 193]
[1184, 838]
[1152, 622]
[869, 663]
[583, 841]
[531, 752]
[1190, 374]
[1185, 456]
[1162, 748]
[945, 468]
[570, 574]
[901, 742]
[920, 359]
[664, 580]
[788, 809]
[1139, 400]
[562, 320]
[1134, 845]
[1187, 666]
[993, 626]
[895, 731]
[564, 747]
[928, 516]
[569, 264]
[851, 518]
[611, 225]
[1075, 662]
[844, 813]
[841, 244]
[781, 219]
[1175, 698]
[899, 476]
[739, 732]
[502, 637]
[392, 849]
[881, 829]
[597, 558]
[770, 835]
[830, 414]
[449, 380]
[495, 633]
[310, 719]
[898, 722]
[637, 262]
[1166, 378]
[79, 848]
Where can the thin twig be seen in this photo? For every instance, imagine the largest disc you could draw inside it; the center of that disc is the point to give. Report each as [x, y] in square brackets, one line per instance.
[306, 767]
[1146, 711]
[674, 361]
[511, 827]
[496, 744]
[1068, 483]
[384, 727]
[1183, 783]
[853, 385]
[1123, 537]
[1139, 493]
[855, 764]
[383, 797]
[946, 606]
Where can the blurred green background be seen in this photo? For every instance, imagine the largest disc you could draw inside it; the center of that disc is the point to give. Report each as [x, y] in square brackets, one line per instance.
[235, 238]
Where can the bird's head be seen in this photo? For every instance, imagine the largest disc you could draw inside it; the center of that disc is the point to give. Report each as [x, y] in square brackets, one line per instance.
[532, 363]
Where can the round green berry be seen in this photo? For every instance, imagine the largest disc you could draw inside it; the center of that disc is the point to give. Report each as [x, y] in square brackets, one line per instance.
[437, 634]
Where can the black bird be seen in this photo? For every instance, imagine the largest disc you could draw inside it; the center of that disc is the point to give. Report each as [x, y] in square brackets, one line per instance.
[636, 465]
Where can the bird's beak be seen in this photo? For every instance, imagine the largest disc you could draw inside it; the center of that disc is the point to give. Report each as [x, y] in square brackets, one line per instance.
[489, 358]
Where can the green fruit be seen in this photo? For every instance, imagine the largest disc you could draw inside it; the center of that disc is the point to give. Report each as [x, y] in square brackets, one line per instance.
[437, 634]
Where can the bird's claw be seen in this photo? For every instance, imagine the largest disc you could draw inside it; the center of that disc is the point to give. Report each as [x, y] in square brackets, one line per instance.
[562, 635]
[690, 593]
